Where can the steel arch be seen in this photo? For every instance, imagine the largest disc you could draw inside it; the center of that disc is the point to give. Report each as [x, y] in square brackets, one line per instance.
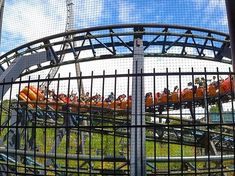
[116, 41]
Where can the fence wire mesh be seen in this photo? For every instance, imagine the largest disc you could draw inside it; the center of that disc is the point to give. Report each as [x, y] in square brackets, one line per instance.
[149, 93]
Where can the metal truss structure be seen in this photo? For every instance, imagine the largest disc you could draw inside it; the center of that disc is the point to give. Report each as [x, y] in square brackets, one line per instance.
[69, 26]
[115, 42]
[1, 16]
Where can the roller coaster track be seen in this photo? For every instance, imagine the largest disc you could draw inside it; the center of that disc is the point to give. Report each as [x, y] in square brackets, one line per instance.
[158, 41]
[191, 136]
[86, 158]
[117, 42]
[194, 134]
[162, 132]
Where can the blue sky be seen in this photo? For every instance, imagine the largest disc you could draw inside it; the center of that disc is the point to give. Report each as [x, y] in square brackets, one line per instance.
[27, 20]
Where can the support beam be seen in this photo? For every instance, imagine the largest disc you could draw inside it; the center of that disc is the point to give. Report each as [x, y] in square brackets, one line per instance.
[1, 16]
[138, 156]
[19, 65]
[230, 5]
[117, 158]
[13, 135]
[61, 133]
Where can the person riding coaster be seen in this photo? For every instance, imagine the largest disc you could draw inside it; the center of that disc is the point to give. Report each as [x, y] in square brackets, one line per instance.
[215, 88]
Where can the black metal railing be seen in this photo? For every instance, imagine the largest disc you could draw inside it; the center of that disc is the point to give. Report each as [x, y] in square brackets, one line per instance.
[56, 130]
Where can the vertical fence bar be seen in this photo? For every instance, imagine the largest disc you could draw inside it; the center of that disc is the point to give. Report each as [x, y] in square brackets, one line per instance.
[128, 120]
[45, 126]
[193, 114]
[90, 122]
[34, 126]
[84, 122]
[154, 121]
[16, 145]
[7, 128]
[102, 123]
[67, 125]
[56, 120]
[181, 121]
[138, 158]
[168, 123]
[25, 124]
[220, 122]
[207, 151]
[80, 146]
[17, 117]
[114, 122]
[1, 103]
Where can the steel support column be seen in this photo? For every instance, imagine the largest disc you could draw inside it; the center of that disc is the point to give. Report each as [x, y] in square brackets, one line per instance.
[19, 65]
[138, 157]
[230, 5]
[1, 16]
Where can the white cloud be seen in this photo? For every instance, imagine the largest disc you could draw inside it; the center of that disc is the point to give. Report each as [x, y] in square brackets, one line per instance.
[88, 12]
[218, 7]
[209, 4]
[224, 21]
[31, 20]
[212, 7]
[199, 3]
[127, 12]
[215, 4]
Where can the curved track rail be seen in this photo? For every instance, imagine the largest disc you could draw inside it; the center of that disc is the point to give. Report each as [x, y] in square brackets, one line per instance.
[116, 41]
[191, 134]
